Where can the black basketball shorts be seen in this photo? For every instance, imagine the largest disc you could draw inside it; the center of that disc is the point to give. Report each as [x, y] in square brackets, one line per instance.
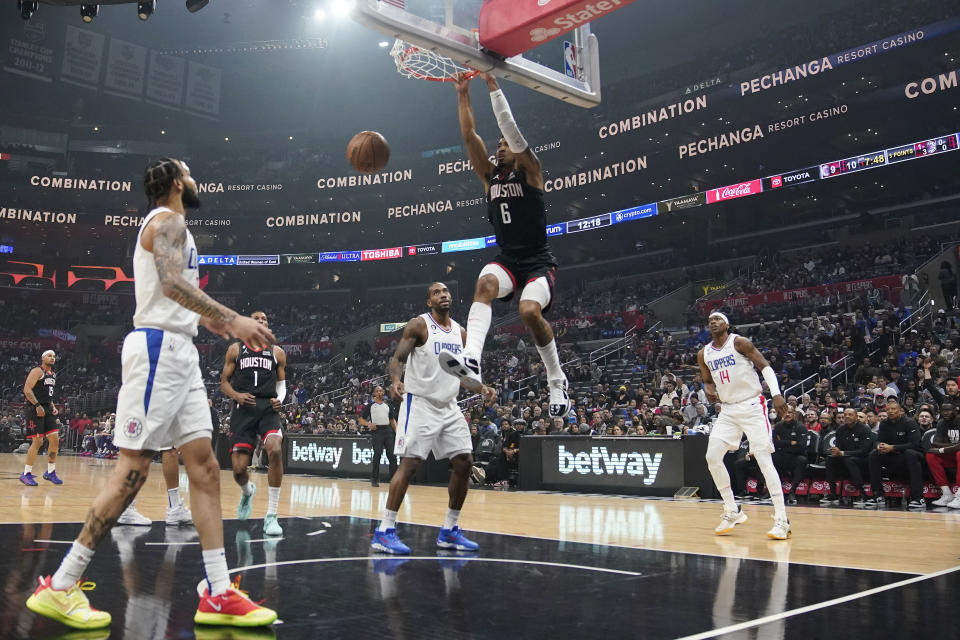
[523, 271]
[249, 424]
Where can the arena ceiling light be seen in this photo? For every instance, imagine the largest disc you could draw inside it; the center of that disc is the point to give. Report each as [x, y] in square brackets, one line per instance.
[88, 12]
[26, 8]
[341, 8]
[145, 9]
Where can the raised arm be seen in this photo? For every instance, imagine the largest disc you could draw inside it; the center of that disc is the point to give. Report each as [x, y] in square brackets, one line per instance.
[746, 348]
[414, 335]
[471, 140]
[165, 237]
[527, 160]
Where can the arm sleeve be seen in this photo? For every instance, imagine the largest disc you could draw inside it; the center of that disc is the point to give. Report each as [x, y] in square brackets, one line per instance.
[366, 411]
[508, 126]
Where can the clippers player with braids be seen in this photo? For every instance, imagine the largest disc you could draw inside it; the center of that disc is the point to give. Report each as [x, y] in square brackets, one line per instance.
[728, 366]
[525, 266]
[41, 415]
[255, 380]
[162, 403]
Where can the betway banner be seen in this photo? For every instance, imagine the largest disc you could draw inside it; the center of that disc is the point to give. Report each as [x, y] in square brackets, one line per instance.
[649, 463]
[788, 295]
[344, 456]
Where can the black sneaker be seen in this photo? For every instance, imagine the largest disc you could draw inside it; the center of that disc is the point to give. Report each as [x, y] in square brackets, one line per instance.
[830, 499]
[917, 504]
[879, 502]
[791, 499]
[861, 501]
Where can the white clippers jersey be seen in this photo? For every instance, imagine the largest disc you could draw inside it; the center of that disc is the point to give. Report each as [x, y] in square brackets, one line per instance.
[423, 376]
[732, 372]
[154, 310]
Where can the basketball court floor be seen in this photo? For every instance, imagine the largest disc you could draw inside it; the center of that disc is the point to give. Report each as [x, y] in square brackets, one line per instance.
[549, 566]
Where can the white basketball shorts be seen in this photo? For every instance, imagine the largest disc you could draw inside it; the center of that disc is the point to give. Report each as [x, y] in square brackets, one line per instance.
[744, 418]
[424, 427]
[162, 401]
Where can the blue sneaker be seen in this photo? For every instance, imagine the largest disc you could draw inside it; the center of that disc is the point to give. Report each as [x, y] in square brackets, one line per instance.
[454, 539]
[52, 477]
[246, 504]
[388, 542]
[28, 479]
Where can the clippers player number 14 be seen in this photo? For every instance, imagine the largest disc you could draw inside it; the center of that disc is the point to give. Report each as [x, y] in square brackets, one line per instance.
[525, 266]
[728, 366]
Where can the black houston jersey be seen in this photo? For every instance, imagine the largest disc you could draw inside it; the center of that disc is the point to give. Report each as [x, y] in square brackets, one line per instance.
[255, 372]
[516, 211]
[43, 389]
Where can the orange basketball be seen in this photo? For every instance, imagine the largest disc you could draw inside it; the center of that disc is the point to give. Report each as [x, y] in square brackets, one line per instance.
[368, 151]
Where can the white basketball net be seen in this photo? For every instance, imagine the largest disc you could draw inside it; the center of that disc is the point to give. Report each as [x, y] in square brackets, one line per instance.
[422, 64]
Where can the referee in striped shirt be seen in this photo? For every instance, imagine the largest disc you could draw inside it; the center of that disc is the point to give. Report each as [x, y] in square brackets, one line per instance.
[378, 417]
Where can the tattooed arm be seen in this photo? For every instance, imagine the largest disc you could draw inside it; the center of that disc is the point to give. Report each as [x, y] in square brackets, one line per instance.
[165, 237]
[169, 237]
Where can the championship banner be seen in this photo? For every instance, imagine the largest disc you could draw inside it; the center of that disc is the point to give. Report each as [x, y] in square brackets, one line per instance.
[165, 80]
[28, 52]
[789, 295]
[126, 68]
[203, 89]
[82, 57]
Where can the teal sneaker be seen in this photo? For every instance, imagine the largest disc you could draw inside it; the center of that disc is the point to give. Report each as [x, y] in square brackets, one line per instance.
[270, 525]
[246, 504]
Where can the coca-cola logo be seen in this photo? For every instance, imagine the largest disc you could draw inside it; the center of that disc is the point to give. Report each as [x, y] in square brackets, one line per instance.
[734, 191]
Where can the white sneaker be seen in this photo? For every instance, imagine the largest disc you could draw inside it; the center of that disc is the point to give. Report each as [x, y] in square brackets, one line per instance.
[730, 520]
[478, 474]
[944, 500]
[179, 515]
[462, 366]
[559, 398]
[955, 503]
[131, 516]
[781, 529]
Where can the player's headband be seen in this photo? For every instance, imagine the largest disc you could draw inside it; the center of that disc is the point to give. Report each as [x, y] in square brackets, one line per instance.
[48, 352]
[722, 316]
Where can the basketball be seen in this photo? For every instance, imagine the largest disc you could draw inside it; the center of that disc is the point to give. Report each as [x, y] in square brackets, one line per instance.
[368, 151]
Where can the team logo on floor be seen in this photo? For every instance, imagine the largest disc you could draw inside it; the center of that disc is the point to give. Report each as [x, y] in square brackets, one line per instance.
[133, 428]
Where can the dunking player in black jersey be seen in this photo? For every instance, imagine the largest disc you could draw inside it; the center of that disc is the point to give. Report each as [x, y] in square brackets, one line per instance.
[256, 381]
[41, 416]
[514, 187]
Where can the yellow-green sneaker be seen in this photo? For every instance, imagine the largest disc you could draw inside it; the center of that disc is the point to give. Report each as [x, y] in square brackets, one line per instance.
[69, 606]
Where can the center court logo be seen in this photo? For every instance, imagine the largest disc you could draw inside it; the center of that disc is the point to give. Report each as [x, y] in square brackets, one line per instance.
[600, 462]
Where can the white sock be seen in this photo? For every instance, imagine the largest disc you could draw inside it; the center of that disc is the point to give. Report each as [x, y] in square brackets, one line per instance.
[247, 489]
[215, 566]
[72, 566]
[389, 520]
[478, 323]
[452, 517]
[947, 492]
[173, 497]
[551, 360]
[273, 501]
[51, 467]
[27, 468]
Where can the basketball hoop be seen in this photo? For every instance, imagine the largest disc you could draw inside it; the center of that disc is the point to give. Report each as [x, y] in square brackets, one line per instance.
[423, 64]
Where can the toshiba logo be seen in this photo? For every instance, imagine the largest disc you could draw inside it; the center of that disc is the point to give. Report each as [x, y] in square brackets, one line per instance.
[381, 254]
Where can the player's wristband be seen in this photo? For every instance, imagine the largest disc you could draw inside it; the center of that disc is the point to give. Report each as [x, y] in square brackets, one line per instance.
[771, 379]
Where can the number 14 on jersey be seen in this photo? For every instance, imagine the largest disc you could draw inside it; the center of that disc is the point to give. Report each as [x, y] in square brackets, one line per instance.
[724, 377]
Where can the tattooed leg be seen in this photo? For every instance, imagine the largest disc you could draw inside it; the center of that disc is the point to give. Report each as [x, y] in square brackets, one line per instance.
[122, 487]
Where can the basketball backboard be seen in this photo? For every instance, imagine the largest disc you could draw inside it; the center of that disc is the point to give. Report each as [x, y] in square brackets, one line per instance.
[452, 28]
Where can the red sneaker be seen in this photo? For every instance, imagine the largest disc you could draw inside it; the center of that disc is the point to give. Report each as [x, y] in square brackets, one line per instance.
[232, 608]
